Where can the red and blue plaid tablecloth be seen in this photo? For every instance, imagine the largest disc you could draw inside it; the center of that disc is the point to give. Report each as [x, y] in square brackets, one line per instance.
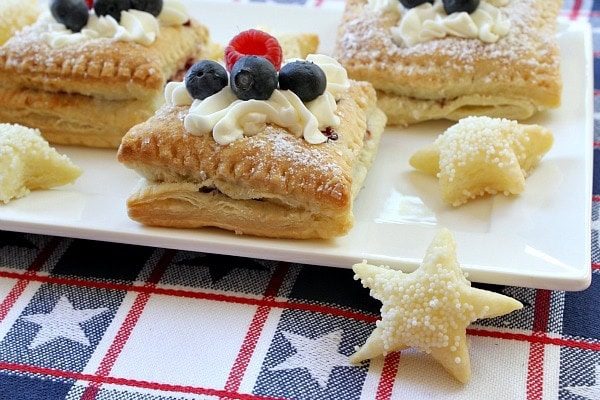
[83, 319]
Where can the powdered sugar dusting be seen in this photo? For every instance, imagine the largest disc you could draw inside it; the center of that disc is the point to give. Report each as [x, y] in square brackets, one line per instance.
[369, 26]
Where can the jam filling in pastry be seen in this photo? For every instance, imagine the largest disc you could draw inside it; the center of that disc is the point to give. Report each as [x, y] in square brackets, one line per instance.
[258, 146]
[434, 60]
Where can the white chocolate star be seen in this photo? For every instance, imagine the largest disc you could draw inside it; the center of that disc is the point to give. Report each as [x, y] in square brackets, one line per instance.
[480, 155]
[429, 308]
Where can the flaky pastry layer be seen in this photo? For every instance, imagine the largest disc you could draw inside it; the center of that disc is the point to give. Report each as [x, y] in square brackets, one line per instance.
[103, 68]
[271, 184]
[73, 119]
[456, 77]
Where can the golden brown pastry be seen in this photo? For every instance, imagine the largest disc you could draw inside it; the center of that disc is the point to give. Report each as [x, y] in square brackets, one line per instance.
[453, 77]
[272, 184]
[90, 92]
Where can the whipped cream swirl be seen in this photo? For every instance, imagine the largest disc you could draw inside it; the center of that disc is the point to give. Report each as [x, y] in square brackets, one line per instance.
[229, 118]
[135, 26]
[429, 21]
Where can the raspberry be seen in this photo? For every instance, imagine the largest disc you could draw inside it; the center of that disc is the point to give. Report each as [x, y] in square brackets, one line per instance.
[253, 42]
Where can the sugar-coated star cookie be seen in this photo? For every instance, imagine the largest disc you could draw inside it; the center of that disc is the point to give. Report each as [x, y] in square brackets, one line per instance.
[428, 309]
[483, 155]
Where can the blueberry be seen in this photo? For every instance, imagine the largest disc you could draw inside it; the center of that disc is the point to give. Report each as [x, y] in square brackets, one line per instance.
[452, 6]
[205, 78]
[111, 7]
[153, 7]
[73, 14]
[414, 3]
[304, 78]
[253, 77]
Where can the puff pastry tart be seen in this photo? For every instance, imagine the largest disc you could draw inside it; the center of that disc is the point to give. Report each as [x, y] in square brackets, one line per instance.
[259, 167]
[89, 87]
[500, 60]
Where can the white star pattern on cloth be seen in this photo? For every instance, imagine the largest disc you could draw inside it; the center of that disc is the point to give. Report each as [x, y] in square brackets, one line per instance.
[62, 322]
[588, 392]
[319, 356]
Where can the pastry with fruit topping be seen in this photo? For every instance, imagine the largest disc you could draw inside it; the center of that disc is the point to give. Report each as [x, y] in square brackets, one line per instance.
[258, 146]
[84, 76]
[449, 59]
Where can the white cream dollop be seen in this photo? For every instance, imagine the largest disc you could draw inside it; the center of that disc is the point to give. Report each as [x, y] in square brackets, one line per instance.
[429, 21]
[229, 118]
[135, 26]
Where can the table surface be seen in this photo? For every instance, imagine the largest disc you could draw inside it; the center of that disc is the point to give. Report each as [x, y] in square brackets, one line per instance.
[83, 319]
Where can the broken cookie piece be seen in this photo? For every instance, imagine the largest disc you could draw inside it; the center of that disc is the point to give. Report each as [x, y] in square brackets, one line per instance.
[483, 155]
[27, 162]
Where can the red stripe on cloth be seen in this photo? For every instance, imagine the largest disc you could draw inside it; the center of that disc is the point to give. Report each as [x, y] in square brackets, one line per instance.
[576, 9]
[130, 322]
[242, 360]
[267, 302]
[283, 304]
[100, 380]
[193, 295]
[595, 267]
[22, 282]
[596, 197]
[388, 376]
[536, 339]
[535, 364]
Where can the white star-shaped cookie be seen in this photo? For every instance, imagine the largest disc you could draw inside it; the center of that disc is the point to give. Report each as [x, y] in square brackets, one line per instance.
[483, 155]
[428, 309]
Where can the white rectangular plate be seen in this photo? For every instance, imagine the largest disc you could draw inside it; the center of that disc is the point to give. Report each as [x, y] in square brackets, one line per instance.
[538, 239]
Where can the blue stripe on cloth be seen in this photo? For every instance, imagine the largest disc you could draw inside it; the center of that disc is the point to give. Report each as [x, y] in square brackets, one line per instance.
[322, 285]
[581, 316]
[596, 186]
[103, 260]
[32, 387]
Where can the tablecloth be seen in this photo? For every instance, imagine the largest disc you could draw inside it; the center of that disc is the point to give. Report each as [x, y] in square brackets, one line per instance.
[85, 319]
